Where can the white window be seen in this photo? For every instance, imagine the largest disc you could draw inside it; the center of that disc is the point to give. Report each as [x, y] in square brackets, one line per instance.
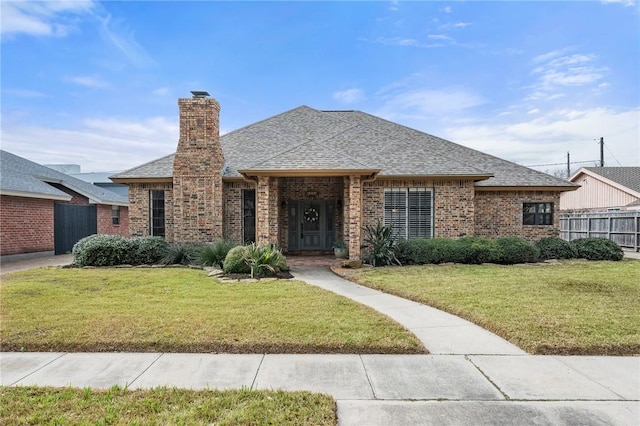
[409, 212]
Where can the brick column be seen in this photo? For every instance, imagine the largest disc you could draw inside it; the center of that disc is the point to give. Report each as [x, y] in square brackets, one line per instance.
[354, 221]
[263, 217]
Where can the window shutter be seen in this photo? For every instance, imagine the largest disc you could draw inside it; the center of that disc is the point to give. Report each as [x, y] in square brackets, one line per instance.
[420, 213]
[395, 211]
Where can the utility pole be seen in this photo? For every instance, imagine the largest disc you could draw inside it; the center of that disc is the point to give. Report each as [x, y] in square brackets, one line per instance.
[601, 152]
[568, 165]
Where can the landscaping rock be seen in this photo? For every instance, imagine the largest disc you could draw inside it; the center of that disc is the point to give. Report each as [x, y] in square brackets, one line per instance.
[124, 266]
[215, 272]
[351, 264]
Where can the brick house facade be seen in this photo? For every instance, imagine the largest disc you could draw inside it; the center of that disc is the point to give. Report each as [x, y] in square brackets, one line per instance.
[29, 196]
[306, 178]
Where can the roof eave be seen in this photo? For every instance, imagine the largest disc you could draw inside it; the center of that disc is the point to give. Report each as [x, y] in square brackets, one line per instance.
[604, 180]
[129, 180]
[308, 172]
[436, 176]
[527, 188]
[35, 195]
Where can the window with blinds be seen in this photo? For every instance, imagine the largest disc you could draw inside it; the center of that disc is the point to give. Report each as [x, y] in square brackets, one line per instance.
[409, 212]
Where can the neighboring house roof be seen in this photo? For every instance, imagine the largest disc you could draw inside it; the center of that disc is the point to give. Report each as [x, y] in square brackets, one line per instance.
[627, 177]
[24, 178]
[306, 139]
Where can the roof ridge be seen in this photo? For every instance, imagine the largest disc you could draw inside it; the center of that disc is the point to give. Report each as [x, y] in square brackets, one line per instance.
[410, 141]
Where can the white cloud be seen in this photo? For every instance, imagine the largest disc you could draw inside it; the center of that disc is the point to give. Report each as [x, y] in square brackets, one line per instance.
[24, 93]
[41, 18]
[546, 138]
[349, 96]
[438, 37]
[123, 39]
[422, 103]
[88, 81]
[556, 72]
[626, 3]
[446, 9]
[98, 144]
[161, 91]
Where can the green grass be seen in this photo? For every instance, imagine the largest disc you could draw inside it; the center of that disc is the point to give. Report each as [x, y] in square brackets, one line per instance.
[570, 307]
[71, 406]
[183, 310]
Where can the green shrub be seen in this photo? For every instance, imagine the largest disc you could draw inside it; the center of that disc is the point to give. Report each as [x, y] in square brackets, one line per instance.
[380, 244]
[477, 250]
[146, 250]
[101, 250]
[516, 250]
[555, 248]
[214, 254]
[234, 262]
[181, 254]
[420, 251]
[597, 249]
[263, 259]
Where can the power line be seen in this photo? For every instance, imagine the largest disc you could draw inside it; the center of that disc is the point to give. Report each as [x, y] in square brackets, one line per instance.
[562, 164]
[614, 157]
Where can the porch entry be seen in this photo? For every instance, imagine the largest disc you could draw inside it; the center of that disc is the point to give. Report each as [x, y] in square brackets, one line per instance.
[311, 224]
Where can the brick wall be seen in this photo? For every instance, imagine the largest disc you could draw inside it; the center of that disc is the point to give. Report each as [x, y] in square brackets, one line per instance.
[499, 214]
[139, 205]
[197, 173]
[105, 221]
[233, 213]
[453, 204]
[76, 198]
[26, 225]
[310, 188]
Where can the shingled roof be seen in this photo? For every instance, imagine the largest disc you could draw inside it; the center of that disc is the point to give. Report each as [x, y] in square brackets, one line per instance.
[306, 139]
[626, 176]
[23, 178]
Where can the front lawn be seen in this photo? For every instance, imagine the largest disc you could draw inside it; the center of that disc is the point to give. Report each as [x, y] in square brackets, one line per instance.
[570, 307]
[71, 406]
[183, 310]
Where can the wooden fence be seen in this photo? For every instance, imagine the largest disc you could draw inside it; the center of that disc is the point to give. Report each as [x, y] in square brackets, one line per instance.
[622, 227]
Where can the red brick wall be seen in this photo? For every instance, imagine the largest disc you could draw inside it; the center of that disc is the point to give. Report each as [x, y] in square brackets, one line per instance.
[26, 225]
[76, 198]
[499, 214]
[105, 222]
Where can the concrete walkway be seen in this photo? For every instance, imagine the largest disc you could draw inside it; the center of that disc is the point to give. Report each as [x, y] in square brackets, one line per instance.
[471, 376]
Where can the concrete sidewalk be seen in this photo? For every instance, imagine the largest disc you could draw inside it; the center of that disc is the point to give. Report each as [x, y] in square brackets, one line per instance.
[440, 332]
[374, 389]
[471, 376]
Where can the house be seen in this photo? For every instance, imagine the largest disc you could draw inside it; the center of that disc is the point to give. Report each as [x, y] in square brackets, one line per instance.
[43, 210]
[603, 189]
[100, 179]
[304, 178]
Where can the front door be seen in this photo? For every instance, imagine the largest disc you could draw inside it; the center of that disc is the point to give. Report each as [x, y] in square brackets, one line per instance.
[311, 225]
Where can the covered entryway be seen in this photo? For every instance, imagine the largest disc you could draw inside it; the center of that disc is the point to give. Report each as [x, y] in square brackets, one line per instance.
[311, 224]
[71, 223]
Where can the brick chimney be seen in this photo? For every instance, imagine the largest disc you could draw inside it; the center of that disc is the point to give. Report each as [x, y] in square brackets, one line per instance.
[197, 171]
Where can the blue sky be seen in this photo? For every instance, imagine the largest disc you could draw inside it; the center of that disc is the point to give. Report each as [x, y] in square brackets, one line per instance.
[96, 83]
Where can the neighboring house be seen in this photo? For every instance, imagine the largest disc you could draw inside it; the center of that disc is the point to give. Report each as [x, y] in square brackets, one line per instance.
[100, 179]
[304, 178]
[602, 189]
[43, 210]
